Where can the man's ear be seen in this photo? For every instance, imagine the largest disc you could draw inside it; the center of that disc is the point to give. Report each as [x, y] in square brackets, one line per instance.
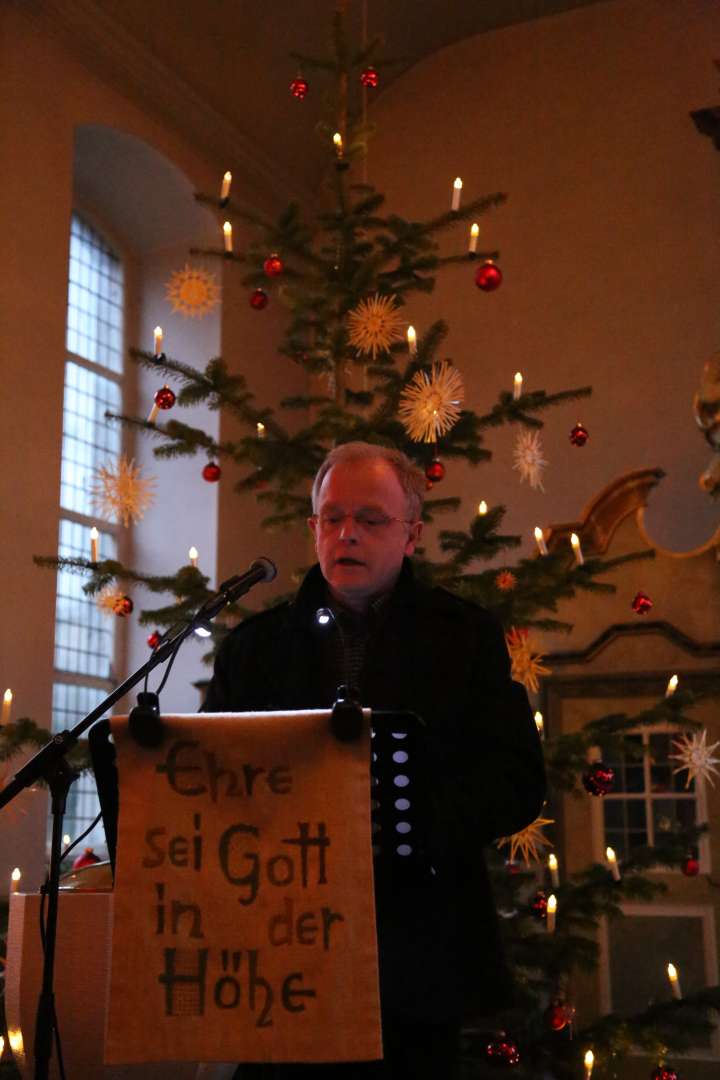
[414, 537]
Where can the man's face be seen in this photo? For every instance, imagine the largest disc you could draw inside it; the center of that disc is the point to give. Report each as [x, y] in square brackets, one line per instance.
[360, 561]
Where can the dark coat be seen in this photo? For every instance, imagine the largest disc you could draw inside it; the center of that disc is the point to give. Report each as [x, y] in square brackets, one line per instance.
[446, 660]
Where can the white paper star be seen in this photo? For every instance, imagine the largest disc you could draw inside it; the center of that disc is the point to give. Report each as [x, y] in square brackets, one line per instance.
[528, 458]
[696, 756]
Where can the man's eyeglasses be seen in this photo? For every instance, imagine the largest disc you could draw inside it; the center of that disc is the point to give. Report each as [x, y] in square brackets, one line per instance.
[369, 520]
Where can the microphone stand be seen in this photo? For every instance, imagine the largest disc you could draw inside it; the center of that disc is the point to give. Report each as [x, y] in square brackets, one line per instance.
[50, 764]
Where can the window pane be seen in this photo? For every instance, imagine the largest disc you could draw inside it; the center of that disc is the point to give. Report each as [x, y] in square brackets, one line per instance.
[629, 770]
[95, 298]
[84, 636]
[70, 704]
[662, 767]
[672, 816]
[89, 440]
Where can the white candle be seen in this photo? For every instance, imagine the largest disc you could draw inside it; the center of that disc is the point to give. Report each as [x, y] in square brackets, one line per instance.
[412, 340]
[158, 339]
[260, 430]
[227, 236]
[551, 912]
[540, 725]
[6, 706]
[482, 508]
[193, 555]
[152, 415]
[474, 233]
[553, 868]
[94, 537]
[517, 385]
[671, 686]
[66, 839]
[674, 978]
[540, 540]
[577, 550]
[612, 863]
[457, 188]
[338, 140]
[589, 1062]
[15, 880]
[225, 188]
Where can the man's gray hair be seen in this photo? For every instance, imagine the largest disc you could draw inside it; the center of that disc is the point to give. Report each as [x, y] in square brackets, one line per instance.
[412, 480]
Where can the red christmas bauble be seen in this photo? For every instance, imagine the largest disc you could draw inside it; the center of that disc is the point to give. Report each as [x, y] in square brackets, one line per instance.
[299, 87]
[212, 472]
[153, 639]
[258, 299]
[164, 398]
[558, 1016]
[661, 1073]
[538, 905]
[488, 277]
[435, 471]
[369, 77]
[502, 1051]
[579, 435]
[273, 265]
[599, 779]
[691, 867]
[641, 603]
[123, 606]
[88, 858]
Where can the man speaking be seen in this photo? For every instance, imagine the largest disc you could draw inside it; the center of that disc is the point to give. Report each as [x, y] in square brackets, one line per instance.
[403, 646]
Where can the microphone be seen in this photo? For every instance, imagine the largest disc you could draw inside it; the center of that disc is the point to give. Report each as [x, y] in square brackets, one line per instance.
[346, 720]
[262, 569]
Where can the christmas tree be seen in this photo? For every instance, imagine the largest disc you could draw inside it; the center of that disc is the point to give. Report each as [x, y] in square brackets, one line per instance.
[344, 274]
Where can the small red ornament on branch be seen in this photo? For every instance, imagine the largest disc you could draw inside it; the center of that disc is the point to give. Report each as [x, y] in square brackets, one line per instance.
[662, 1073]
[164, 398]
[258, 299]
[369, 77]
[579, 435]
[299, 87]
[599, 779]
[488, 277]
[435, 471]
[502, 1051]
[212, 472]
[641, 603]
[273, 265]
[153, 639]
[691, 867]
[538, 905]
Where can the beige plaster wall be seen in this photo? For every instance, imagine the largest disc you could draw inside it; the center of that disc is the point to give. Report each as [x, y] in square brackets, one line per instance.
[608, 241]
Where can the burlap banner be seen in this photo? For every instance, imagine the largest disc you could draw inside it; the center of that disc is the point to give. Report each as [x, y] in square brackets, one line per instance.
[244, 921]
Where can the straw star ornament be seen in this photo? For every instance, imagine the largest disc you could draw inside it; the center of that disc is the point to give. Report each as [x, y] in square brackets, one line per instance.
[374, 325]
[528, 843]
[527, 666]
[528, 458]
[430, 403]
[122, 492]
[192, 291]
[696, 756]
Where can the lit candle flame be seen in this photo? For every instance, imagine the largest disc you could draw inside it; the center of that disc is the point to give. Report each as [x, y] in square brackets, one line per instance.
[457, 188]
[94, 537]
[540, 540]
[158, 339]
[589, 1062]
[338, 140]
[193, 555]
[539, 723]
[474, 233]
[412, 340]
[551, 911]
[612, 863]
[260, 430]
[517, 385]
[553, 868]
[671, 686]
[6, 706]
[482, 508]
[674, 978]
[227, 235]
[225, 189]
[15, 879]
[577, 550]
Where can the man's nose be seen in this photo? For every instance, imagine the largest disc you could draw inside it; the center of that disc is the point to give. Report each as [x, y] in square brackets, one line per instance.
[348, 528]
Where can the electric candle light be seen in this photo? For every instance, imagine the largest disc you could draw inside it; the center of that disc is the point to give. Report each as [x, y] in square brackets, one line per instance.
[540, 725]
[227, 236]
[193, 555]
[551, 912]
[577, 550]
[15, 879]
[158, 339]
[225, 189]
[671, 686]
[66, 839]
[474, 233]
[517, 385]
[674, 978]
[482, 508]
[6, 706]
[612, 863]
[94, 537]
[540, 540]
[553, 868]
[589, 1062]
[412, 340]
[260, 430]
[457, 188]
[338, 140]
